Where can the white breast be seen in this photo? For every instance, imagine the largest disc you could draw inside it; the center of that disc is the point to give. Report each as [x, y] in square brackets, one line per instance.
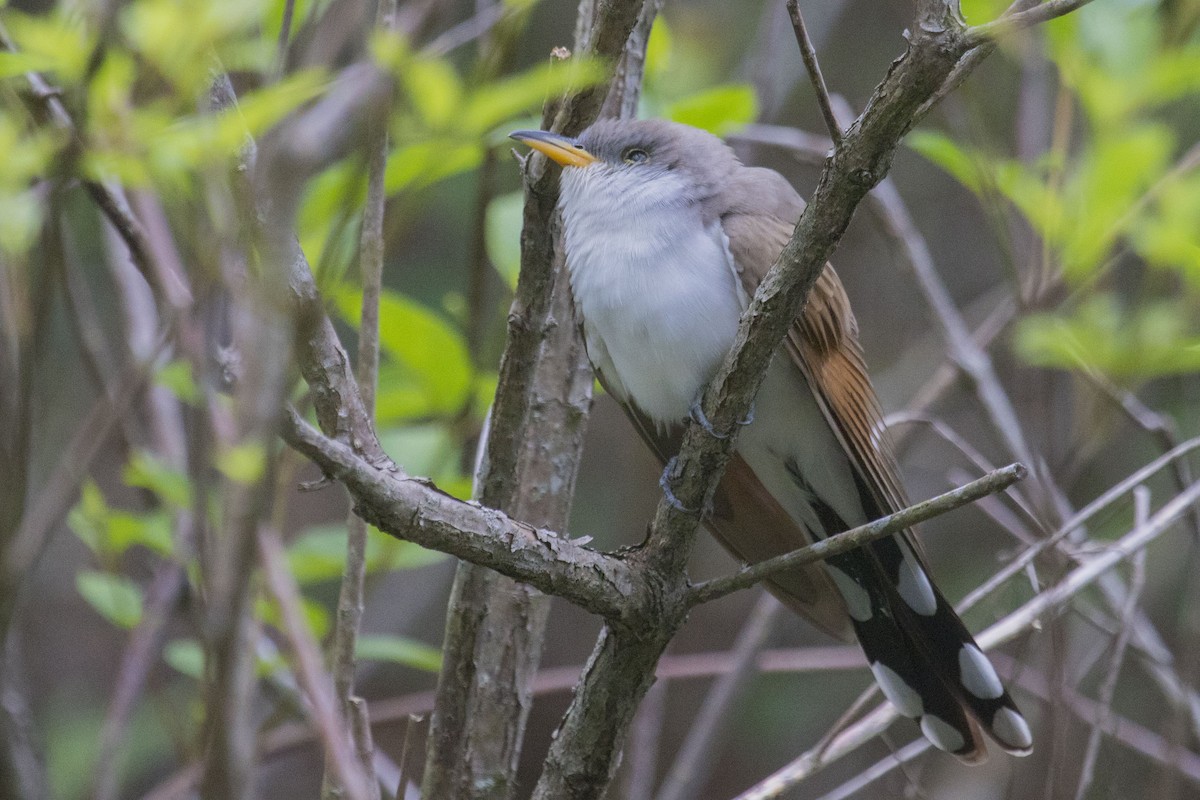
[656, 288]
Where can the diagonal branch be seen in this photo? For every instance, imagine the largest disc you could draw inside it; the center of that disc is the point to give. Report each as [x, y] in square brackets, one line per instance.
[413, 510]
[991, 483]
[1010, 23]
[1023, 619]
[809, 54]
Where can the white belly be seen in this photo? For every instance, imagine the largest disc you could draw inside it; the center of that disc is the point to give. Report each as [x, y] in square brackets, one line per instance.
[659, 312]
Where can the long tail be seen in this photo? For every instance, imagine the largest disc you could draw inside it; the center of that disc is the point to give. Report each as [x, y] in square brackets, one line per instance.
[923, 657]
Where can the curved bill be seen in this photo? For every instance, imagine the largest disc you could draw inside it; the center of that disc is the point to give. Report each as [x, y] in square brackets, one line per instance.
[562, 150]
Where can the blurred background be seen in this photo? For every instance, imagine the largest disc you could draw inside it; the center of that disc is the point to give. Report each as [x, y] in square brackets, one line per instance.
[1055, 196]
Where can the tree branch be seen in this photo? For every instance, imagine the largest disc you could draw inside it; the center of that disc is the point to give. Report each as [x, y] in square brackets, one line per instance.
[1010, 23]
[814, 71]
[991, 483]
[413, 510]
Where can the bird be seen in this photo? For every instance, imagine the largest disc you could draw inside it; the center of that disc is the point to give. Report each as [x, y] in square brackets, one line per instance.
[666, 236]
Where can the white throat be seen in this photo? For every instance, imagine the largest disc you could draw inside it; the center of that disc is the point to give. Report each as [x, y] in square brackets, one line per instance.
[656, 287]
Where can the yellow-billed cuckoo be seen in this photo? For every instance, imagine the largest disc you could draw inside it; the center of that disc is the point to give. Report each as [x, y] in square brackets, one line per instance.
[667, 236]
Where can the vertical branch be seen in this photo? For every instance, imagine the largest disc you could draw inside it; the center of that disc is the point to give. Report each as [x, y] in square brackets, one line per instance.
[351, 594]
[494, 625]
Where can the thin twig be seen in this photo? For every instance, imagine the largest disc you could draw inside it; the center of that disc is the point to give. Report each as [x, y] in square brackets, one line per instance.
[58, 490]
[1015, 623]
[316, 683]
[644, 740]
[1079, 519]
[994, 482]
[412, 721]
[139, 657]
[351, 602]
[1104, 697]
[466, 31]
[866, 777]
[814, 71]
[1010, 23]
[694, 763]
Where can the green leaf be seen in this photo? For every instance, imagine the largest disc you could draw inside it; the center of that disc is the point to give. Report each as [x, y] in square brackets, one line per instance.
[110, 532]
[185, 656]
[495, 102]
[176, 376]
[14, 64]
[398, 650]
[319, 554]
[434, 89]
[147, 471]
[244, 463]
[1105, 191]
[954, 160]
[150, 529]
[431, 352]
[977, 12]
[416, 166]
[116, 598]
[60, 42]
[1167, 238]
[1150, 340]
[89, 518]
[505, 216]
[718, 110]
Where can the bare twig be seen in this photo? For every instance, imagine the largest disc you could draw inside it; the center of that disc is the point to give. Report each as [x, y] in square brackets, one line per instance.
[1015, 623]
[814, 71]
[994, 482]
[1104, 696]
[466, 31]
[316, 683]
[1010, 23]
[58, 491]
[139, 658]
[694, 763]
[644, 740]
[876, 771]
[1080, 518]
[351, 602]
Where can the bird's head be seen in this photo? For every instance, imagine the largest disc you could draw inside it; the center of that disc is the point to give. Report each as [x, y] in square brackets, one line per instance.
[638, 163]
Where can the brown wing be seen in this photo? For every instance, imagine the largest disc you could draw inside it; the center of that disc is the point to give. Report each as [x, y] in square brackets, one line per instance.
[823, 344]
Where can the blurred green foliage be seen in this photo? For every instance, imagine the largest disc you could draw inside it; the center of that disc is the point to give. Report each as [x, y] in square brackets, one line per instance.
[1122, 188]
[137, 93]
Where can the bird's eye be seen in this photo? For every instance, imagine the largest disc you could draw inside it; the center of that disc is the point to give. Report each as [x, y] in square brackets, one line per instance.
[634, 155]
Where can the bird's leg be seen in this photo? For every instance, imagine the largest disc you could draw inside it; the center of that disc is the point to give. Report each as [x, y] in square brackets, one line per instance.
[698, 414]
[665, 482]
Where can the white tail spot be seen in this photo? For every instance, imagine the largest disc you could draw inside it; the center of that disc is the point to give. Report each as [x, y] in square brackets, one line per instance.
[977, 675]
[943, 735]
[914, 586]
[858, 602]
[902, 696]
[1011, 729]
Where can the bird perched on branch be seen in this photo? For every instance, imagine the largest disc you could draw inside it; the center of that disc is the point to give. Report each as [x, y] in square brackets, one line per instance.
[667, 236]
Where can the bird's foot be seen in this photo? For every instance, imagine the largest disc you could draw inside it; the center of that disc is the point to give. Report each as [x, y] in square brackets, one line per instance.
[665, 482]
[702, 420]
